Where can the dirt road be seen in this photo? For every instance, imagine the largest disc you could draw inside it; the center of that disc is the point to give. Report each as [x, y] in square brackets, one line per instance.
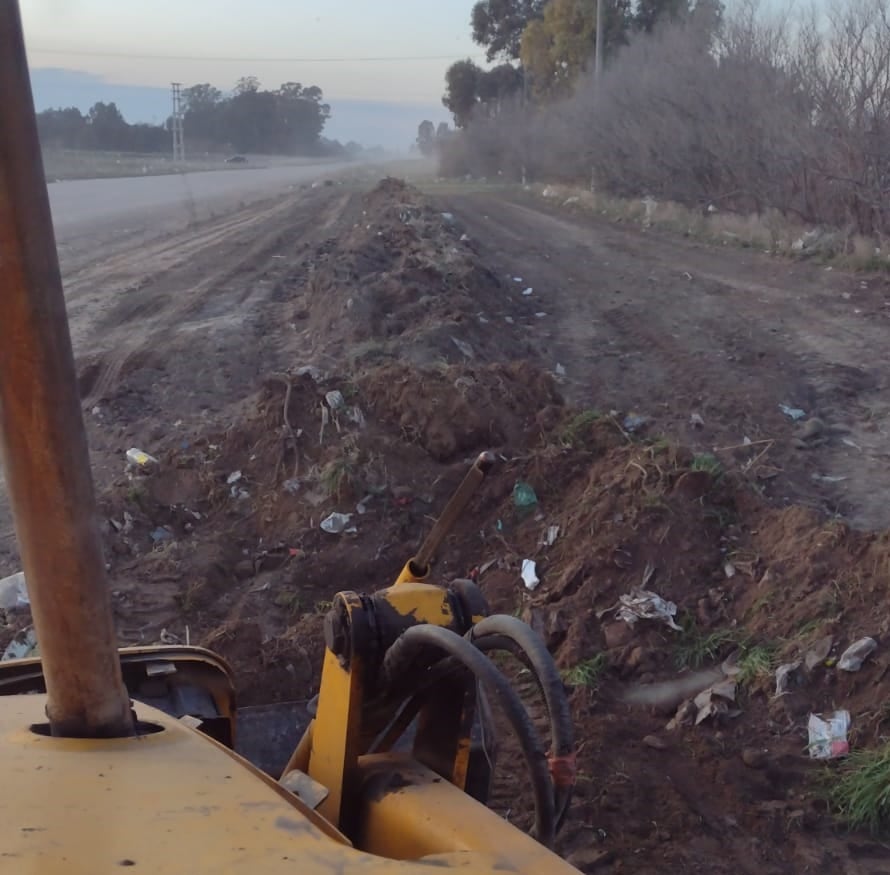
[218, 348]
[670, 328]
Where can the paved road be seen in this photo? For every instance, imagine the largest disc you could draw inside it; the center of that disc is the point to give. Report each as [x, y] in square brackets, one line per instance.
[90, 211]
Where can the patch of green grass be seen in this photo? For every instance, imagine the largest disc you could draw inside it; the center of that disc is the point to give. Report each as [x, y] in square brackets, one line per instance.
[709, 463]
[696, 649]
[859, 791]
[290, 602]
[337, 477]
[576, 430]
[756, 663]
[587, 673]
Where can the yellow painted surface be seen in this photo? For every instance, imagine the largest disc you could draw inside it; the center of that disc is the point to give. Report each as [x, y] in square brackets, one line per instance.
[173, 803]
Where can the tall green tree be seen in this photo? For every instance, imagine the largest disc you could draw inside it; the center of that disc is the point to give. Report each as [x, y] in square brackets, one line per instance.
[560, 46]
[498, 25]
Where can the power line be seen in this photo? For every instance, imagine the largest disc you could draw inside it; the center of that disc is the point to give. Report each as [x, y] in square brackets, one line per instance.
[244, 60]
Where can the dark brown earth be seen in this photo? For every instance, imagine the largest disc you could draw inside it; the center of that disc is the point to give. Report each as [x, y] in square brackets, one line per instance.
[216, 352]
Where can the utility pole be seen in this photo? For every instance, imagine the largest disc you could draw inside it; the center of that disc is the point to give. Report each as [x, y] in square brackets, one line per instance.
[598, 57]
[178, 141]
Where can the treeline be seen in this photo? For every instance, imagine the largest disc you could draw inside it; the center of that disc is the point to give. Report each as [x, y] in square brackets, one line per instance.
[287, 121]
[744, 108]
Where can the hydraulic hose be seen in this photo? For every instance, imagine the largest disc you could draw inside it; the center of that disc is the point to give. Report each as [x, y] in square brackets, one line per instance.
[403, 655]
[502, 632]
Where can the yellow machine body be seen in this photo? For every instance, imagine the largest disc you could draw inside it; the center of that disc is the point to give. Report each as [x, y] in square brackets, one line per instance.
[174, 801]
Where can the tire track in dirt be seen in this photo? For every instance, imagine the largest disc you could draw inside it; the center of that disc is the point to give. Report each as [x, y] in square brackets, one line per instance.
[666, 327]
[162, 309]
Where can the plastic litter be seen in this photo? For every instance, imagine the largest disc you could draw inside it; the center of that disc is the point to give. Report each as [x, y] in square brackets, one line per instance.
[634, 421]
[527, 291]
[14, 592]
[234, 477]
[643, 604]
[22, 646]
[550, 536]
[335, 399]
[448, 217]
[336, 523]
[785, 674]
[559, 370]
[362, 506]
[524, 495]
[464, 347]
[292, 486]
[828, 737]
[140, 459]
[853, 657]
[794, 413]
[529, 574]
[715, 701]
[696, 420]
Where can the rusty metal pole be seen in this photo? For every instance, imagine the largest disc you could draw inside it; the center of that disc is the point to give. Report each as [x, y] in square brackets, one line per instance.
[42, 435]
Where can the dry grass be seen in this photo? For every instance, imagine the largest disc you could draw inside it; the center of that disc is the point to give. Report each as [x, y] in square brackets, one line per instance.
[769, 232]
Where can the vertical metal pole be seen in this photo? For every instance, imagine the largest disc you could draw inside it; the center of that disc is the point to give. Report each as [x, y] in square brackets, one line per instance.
[598, 58]
[42, 435]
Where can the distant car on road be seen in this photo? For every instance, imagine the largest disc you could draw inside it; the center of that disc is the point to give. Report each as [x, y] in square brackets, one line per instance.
[236, 159]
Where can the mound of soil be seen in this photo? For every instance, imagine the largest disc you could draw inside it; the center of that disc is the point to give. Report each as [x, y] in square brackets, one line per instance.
[404, 283]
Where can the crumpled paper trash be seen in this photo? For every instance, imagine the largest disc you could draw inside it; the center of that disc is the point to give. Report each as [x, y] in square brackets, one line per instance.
[828, 737]
[643, 604]
[715, 701]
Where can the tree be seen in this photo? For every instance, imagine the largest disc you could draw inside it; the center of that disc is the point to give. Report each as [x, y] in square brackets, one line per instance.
[471, 91]
[201, 109]
[107, 128]
[650, 12]
[462, 90]
[498, 25]
[301, 116]
[559, 46]
[247, 84]
[426, 137]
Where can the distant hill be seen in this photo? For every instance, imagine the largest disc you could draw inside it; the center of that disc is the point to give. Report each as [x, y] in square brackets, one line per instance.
[385, 123]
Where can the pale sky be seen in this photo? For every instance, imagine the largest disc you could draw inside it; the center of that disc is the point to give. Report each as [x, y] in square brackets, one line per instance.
[81, 34]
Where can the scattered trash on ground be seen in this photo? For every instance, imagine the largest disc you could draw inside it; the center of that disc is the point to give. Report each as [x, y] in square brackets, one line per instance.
[529, 575]
[794, 413]
[643, 604]
[140, 459]
[448, 217]
[853, 657]
[729, 569]
[785, 677]
[161, 534]
[550, 536]
[233, 478]
[335, 399]
[465, 349]
[716, 701]
[336, 523]
[634, 422]
[527, 291]
[696, 420]
[559, 370]
[291, 486]
[828, 737]
[14, 592]
[524, 496]
[22, 646]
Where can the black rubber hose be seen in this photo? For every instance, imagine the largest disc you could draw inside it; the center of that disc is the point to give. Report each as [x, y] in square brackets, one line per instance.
[502, 632]
[402, 655]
